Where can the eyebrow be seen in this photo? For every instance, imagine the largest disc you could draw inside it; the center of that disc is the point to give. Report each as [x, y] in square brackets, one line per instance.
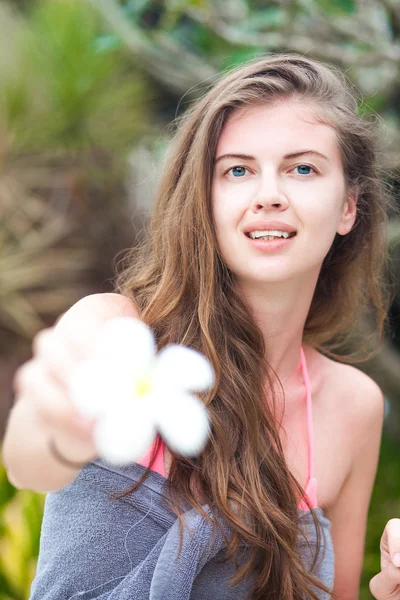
[292, 155]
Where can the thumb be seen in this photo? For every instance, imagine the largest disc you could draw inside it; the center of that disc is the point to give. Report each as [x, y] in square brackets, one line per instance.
[386, 585]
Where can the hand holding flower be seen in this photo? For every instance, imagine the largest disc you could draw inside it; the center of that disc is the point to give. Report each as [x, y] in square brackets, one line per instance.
[134, 392]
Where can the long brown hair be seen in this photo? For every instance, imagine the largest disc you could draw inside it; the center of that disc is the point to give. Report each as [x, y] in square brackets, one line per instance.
[186, 293]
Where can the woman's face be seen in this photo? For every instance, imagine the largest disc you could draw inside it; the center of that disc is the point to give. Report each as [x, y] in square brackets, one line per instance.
[257, 178]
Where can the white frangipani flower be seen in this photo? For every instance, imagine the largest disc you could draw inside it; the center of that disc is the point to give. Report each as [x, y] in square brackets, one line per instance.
[135, 393]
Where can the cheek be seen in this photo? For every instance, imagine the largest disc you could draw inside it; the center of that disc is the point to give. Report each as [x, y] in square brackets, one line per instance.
[324, 229]
[221, 210]
[222, 232]
[326, 206]
[228, 203]
[225, 230]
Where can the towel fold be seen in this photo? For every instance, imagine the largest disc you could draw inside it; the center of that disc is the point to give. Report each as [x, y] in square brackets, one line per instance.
[96, 548]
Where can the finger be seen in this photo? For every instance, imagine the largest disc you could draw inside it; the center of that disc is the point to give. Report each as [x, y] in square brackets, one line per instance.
[18, 382]
[392, 532]
[37, 340]
[386, 584]
[57, 355]
[51, 403]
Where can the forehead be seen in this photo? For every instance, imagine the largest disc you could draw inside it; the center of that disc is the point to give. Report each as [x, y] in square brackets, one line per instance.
[277, 129]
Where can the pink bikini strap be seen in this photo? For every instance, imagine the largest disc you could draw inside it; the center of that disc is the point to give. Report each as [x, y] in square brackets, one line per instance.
[159, 462]
[309, 415]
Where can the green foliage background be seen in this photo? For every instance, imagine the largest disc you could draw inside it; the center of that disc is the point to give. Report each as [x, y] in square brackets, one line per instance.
[20, 520]
[82, 76]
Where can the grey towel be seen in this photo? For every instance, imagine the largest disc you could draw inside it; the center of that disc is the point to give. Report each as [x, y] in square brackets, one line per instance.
[95, 548]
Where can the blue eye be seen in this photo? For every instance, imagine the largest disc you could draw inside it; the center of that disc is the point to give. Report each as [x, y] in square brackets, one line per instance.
[304, 167]
[238, 171]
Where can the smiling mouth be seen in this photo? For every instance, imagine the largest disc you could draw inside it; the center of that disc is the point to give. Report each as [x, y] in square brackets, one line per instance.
[275, 237]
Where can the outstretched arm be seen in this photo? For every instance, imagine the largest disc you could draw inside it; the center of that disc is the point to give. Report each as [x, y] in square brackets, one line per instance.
[43, 406]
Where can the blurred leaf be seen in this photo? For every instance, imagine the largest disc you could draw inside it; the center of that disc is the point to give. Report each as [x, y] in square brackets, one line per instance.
[104, 43]
[385, 504]
[338, 6]
[179, 6]
[239, 56]
[203, 41]
[19, 545]
[7, 491]
[372, 104]
[133, 9]
[269, 17]
[7, 590]
[171, 13]
[32, 511]
[65, 78]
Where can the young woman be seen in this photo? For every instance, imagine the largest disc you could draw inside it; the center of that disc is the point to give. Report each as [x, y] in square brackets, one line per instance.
[267, 247]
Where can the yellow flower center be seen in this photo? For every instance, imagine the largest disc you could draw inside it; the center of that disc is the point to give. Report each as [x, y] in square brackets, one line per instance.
[143, 385]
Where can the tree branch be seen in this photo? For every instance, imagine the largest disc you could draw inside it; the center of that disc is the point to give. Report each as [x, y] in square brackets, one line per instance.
[324, 49]
[177, 69]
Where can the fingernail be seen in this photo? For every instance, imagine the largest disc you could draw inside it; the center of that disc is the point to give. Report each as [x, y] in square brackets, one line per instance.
[396, 559]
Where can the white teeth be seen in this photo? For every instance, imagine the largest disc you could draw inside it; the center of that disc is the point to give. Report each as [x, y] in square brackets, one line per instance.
[257, 234]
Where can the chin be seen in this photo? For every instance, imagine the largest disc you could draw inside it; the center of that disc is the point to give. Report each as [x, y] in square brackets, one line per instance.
[257, 279]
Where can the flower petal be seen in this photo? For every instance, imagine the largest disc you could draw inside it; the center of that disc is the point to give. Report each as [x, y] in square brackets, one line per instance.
[87, 386]
[183, 422]
[183, 368]
[128, 341]
[122, 438]
[97, 387]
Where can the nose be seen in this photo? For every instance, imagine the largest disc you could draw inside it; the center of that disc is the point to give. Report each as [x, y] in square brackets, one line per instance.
[269, 194]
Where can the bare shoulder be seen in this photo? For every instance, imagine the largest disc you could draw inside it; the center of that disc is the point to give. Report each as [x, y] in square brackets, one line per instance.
[358, 397]
[357, 385]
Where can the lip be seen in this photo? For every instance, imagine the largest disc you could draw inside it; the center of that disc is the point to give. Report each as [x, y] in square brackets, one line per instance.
[273, 246]
[268, 226]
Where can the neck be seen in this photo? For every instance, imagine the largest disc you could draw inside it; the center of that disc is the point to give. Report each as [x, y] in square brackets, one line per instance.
[280, 311]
